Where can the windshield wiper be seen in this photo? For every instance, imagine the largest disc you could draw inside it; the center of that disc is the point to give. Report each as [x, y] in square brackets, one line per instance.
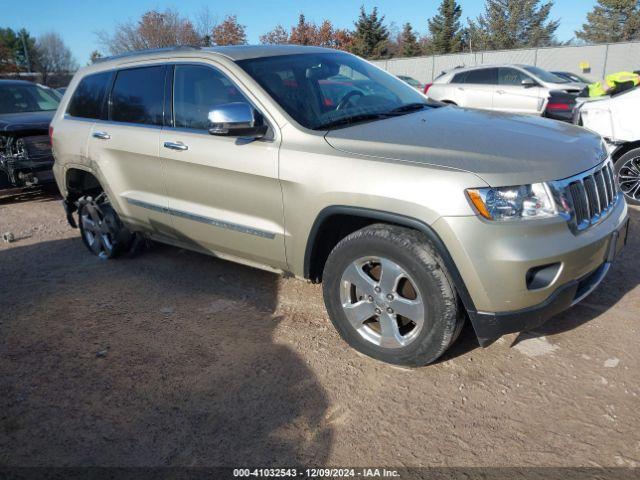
[409, 107]
[363, 117]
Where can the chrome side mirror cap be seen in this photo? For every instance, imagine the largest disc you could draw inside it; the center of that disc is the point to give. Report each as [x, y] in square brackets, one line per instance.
[238, 119]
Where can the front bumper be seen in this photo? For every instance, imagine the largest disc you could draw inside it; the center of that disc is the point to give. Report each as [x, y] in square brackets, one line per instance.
[27, 172]
[494, 261]
[490, 326]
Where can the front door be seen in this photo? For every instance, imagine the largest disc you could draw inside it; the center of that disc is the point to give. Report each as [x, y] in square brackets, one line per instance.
[512, 96]
[224, 192]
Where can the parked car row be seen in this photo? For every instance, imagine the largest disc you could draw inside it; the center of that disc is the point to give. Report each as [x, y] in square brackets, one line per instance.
[414, 215]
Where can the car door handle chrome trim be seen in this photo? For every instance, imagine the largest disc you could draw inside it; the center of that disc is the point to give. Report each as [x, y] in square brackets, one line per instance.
[101, 135]
[175, 146]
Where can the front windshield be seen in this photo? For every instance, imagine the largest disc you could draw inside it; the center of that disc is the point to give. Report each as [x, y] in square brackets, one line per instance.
[19, 98]
[322, 90]
[545, 76]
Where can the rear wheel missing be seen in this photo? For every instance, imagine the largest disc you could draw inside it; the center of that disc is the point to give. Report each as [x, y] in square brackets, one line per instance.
[101, 230]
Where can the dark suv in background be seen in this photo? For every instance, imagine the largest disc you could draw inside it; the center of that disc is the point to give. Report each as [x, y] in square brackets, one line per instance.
[26, 109]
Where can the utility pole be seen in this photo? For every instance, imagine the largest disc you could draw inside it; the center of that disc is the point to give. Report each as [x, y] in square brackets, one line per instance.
[25, 50]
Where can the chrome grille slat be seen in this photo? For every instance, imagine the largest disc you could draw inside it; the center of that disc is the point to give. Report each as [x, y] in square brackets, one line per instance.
[592, 196]
[611, 185]
[602, 190]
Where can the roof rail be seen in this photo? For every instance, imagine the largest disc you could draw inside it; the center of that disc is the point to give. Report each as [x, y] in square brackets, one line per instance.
[136, 53]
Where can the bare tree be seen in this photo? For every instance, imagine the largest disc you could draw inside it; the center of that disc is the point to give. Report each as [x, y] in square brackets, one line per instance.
[155, 29]
[229, 32]
[205, 23]
[53, 56]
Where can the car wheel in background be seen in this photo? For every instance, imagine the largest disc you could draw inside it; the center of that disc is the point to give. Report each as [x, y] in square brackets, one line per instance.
[101, 230]
[627, 169]
[389, 296]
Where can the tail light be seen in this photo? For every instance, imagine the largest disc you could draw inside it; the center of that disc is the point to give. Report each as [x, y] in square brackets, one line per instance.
[558, 106]
[427, 87]
[51, 135]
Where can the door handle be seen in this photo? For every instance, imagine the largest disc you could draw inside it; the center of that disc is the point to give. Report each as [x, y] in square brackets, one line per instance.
[501, 92]
[461, 89]
[101, 135]
[175, 146]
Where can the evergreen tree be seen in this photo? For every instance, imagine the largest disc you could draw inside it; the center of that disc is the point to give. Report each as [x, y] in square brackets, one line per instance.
[612, 21]
[508, 24]
[445, 29]
[371, 37]
[409, 42]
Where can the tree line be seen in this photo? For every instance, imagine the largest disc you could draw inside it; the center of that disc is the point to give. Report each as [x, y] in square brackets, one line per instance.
[20, 52]
[504, 24]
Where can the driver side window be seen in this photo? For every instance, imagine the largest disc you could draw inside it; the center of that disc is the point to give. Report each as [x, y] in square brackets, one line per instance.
[511, 76]
[197, 89]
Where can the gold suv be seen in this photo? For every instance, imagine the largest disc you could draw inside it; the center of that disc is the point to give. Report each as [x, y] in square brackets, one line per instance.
[310, 161]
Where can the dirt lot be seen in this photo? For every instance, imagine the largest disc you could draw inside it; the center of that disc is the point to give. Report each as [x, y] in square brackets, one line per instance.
[174, 358]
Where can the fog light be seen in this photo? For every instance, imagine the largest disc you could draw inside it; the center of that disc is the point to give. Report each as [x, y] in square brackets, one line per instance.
[542, 276]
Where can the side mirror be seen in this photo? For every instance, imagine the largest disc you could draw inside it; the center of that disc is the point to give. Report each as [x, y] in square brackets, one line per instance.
[238, 119]
[528, 83]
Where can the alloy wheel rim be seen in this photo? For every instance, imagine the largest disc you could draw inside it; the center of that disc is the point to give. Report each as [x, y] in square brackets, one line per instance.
[97, 230]
[382, 302]
[629, 178]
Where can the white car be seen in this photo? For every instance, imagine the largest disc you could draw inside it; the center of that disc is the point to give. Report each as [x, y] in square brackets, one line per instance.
[616, 119]
[507, 88]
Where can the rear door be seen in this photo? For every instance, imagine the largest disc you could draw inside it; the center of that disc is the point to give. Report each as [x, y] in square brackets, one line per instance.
[478, 88]
[86, 106]
[512, 96]
[124, 148]
[224, 192]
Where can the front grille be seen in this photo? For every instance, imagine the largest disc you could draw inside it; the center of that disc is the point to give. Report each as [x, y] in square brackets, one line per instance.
[37, 146]
[592, 195]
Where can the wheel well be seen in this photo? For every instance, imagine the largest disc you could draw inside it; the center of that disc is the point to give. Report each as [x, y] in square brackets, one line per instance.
[624, 148]
[328, 234]
[80, 182]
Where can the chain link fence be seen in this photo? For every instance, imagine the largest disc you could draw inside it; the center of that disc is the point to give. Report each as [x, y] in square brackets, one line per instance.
[594, 61]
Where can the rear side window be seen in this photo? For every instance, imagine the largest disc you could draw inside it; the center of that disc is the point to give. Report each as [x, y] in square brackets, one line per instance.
[88, 97]
[483, 76]
[138, 96]
[196, 91]
[459, 77]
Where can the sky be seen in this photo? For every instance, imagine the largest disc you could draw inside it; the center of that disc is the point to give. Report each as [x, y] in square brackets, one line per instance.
[79, 20]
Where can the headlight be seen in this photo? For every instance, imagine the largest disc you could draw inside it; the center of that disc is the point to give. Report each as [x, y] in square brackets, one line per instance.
[510, 203]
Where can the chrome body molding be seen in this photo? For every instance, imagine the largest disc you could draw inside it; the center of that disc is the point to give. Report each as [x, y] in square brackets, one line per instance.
[202, 219]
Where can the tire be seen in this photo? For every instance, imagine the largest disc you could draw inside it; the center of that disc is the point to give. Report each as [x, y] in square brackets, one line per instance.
[101, 230]
[417, 284]
[627, 169]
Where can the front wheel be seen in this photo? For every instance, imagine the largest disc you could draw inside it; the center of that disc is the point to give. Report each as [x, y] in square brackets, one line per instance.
[389, 296]
[101, 230]
[628, 175]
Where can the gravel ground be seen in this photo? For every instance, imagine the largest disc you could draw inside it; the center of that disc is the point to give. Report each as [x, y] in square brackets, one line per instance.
[175, 358]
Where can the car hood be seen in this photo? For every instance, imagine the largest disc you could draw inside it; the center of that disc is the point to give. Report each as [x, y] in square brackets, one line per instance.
[567, 87]
[503, 149]
[26, 121]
